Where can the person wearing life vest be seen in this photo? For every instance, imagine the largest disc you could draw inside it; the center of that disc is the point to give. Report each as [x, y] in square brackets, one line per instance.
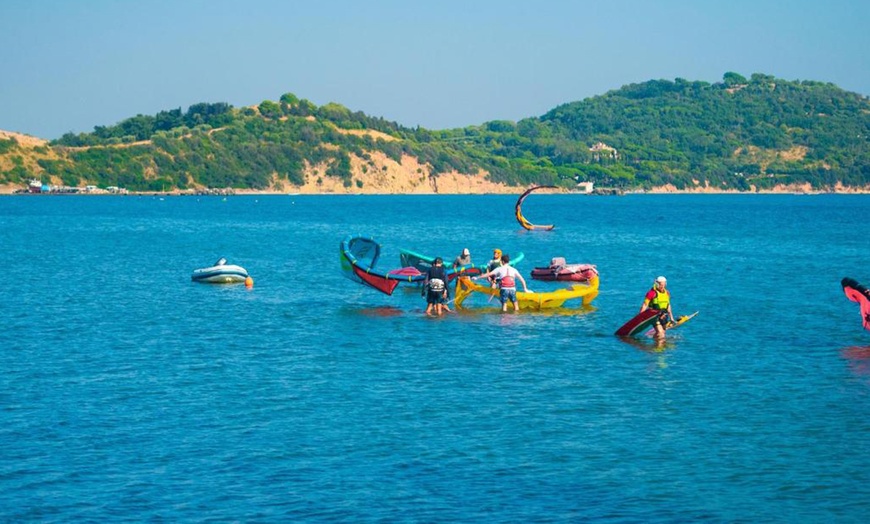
[435, 287]
[493, 264]
[507, 277]
[659, 299]
[496, 260]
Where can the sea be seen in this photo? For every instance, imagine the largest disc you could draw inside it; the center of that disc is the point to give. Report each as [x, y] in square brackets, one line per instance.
[129, 393]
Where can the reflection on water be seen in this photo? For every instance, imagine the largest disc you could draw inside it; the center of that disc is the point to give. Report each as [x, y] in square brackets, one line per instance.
[858, 358]
[328, 401]
[650, 345]
[381, 311]
[548, 312]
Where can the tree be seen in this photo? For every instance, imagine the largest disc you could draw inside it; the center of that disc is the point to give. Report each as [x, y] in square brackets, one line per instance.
[270, 109]
[734, 79]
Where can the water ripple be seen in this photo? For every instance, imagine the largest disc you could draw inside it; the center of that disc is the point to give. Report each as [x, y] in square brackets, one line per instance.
[130, 393]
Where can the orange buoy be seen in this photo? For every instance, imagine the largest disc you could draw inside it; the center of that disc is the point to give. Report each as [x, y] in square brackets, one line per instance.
[249, 282]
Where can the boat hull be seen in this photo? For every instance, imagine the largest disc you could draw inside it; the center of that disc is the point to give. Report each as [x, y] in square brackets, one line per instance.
[225, 274]
[576, 273]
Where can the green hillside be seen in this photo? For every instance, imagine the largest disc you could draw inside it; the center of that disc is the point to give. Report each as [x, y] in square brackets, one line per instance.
[738, 133]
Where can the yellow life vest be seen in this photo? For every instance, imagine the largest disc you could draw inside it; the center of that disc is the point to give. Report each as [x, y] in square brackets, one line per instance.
[661, 301]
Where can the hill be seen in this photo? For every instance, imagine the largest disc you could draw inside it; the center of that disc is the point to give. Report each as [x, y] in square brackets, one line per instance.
[738, 134]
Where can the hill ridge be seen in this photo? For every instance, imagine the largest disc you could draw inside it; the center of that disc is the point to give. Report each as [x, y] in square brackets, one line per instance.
[736, 135]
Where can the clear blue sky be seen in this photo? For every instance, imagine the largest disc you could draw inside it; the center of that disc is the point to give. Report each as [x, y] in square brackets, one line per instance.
[71, 65]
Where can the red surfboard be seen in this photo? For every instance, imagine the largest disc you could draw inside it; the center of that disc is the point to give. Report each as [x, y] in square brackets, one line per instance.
[638, 324]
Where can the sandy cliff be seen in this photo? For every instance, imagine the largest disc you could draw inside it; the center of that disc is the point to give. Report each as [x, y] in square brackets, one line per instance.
[379, 174]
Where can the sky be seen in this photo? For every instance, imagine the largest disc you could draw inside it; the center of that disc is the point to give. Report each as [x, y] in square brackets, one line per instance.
[70, 65]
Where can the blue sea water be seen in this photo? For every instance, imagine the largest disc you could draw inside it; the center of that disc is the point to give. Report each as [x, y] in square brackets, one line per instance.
[130, 393]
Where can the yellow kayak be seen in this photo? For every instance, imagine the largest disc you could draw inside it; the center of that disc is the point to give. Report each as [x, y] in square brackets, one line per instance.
[534, 301]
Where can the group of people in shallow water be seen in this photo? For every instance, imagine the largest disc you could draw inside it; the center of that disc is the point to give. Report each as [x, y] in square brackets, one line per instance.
[500, 273]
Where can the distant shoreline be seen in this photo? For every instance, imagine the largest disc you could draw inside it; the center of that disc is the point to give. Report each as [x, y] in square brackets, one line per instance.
[479, 188]
[865, 191]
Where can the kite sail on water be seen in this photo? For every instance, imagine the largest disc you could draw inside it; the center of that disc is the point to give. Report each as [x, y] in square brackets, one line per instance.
[359, 256]
[860, 294]
[519, 212]
[412, 259]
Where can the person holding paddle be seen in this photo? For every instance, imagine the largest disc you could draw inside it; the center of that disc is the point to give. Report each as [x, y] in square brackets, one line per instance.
[659, 299]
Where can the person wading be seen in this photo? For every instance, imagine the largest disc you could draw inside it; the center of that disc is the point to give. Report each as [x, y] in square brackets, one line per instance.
[506, 276]
[659, 299]
[435, 288]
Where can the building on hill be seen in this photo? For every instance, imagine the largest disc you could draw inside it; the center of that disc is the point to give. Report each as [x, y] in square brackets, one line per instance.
[601, 148]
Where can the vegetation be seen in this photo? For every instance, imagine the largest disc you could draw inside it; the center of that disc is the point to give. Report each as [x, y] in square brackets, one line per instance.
[735, 134]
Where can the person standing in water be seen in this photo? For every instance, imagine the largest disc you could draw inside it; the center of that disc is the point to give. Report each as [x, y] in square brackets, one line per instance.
[496, 260]
[462, 260]
[658, 298]
[494, 264]
[435, 288]
[506, 276]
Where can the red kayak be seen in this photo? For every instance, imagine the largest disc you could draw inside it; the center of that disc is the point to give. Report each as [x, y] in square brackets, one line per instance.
[559, 270]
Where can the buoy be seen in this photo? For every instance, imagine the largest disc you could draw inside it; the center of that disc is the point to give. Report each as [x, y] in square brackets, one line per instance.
[249, 282]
